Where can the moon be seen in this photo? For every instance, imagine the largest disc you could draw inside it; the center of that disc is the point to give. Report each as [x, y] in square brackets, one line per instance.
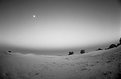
[34, 16]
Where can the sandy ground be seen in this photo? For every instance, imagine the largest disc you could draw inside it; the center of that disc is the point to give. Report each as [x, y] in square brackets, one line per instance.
[102, 64]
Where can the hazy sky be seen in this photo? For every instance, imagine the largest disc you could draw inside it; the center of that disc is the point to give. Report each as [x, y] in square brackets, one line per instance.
[59, 24]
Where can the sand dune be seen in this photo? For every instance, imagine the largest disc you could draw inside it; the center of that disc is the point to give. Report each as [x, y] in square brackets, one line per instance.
[102, 64]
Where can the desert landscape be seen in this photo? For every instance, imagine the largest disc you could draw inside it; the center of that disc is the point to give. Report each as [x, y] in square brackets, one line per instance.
[60, 39]
[101, 64]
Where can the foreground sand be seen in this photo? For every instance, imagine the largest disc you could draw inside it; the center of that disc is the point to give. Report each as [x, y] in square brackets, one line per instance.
[103, 64]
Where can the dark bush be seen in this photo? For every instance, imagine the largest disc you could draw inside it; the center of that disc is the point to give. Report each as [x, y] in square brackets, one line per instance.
[9, 51]
[82, 51]
[71, 53]
[118, 44]
[99, 49]
[112, 46]
[120, 41]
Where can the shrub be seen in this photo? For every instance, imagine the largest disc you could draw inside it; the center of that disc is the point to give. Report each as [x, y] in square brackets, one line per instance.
[118, 44]
[82, 51]
[112, 46]
[99, 49]
[120, 41]
[71, 53]
[9, 51]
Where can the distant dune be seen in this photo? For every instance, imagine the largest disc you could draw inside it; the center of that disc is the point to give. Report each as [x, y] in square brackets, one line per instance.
[102, 64]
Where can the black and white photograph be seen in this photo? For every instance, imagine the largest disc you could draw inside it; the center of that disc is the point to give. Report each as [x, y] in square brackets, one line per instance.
[60, 39]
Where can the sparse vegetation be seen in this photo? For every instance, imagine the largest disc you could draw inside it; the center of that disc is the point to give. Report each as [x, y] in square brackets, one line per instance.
[82, 51]
[9, 51]
[71, 53]
[95, 65]
[119, 42]
[99, 49]
[112, 46]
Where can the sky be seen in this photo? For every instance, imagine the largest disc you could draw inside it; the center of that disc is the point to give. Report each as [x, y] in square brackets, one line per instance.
[59, 24]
